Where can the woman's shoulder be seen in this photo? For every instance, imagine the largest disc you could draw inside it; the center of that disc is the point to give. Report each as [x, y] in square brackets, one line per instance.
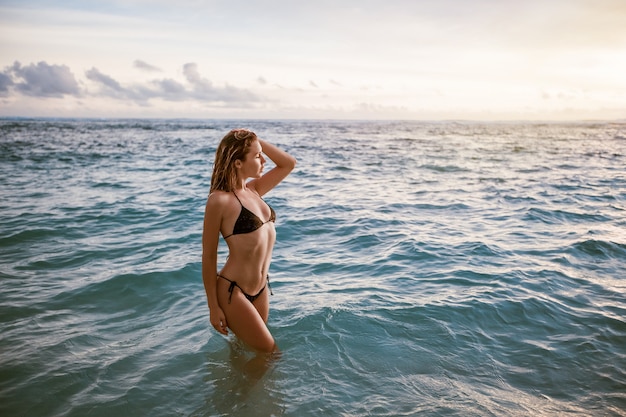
[220, 195]
[219, 198]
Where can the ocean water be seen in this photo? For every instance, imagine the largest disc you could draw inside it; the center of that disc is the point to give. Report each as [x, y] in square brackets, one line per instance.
[421, 269]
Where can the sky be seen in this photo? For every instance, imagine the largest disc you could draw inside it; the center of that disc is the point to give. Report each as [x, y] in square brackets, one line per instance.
[561, 60]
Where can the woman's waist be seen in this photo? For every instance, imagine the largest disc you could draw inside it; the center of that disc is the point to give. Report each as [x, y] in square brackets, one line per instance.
[247, 258]
[247, 276]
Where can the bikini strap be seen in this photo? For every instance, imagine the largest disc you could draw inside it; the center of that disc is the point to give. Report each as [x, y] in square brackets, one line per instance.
[269, 285]
[238, 199]
[232, 286]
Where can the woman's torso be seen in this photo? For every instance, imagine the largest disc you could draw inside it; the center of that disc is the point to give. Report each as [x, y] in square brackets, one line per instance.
[250, 252]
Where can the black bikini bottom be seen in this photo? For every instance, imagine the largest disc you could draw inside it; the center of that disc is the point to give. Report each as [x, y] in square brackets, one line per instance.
[250, 298]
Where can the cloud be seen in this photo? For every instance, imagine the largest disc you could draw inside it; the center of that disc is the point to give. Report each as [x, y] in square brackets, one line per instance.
[197, 88]
[44, 80]
[39, 80]
[109, 87]
[170, 89]
[202, 89]
[109, 83]
[193, 76]
[144, 66]
[5, 83]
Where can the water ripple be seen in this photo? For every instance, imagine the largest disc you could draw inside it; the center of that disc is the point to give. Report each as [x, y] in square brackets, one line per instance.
[420, 269]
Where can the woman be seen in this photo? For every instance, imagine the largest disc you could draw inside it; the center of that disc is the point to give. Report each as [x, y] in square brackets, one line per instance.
[237, 295]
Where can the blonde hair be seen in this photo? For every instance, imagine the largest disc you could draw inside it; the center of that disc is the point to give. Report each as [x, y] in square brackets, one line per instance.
[234, 146]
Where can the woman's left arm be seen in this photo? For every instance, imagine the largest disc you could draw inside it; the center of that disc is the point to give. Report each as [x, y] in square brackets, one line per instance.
[285, 163]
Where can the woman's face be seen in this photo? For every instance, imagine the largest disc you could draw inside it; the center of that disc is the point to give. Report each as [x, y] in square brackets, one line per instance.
[252, 165]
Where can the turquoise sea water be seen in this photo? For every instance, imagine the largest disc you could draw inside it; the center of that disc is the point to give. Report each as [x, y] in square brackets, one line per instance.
[421, 269]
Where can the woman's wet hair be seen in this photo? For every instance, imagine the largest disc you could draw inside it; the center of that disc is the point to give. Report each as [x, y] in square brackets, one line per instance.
[234, 146]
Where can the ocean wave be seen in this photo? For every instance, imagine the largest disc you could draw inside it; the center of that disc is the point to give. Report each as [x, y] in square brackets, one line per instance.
[599, 249]
[436, 268]
[557, 216]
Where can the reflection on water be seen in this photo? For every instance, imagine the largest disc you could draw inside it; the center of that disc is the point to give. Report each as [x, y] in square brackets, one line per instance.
[242, 384]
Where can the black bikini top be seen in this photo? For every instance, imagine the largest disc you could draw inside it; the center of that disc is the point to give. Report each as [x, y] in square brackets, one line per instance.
[248, 222]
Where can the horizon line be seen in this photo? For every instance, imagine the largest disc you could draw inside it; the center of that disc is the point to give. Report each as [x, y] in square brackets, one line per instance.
[304, 119]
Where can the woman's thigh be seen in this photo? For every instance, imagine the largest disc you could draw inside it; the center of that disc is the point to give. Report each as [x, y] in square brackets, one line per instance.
[248, 322]
[262, 304]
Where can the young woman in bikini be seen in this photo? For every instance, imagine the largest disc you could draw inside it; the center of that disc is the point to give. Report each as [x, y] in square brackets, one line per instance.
[237, 295]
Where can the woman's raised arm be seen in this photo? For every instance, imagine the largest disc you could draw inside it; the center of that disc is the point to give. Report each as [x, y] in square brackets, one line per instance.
[285, 163]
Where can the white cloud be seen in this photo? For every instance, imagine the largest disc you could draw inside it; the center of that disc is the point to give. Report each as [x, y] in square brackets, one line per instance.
[6, 82]
[202, 89]
[39, 80]
[57, 81]
[107, 82]
[144, 66]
